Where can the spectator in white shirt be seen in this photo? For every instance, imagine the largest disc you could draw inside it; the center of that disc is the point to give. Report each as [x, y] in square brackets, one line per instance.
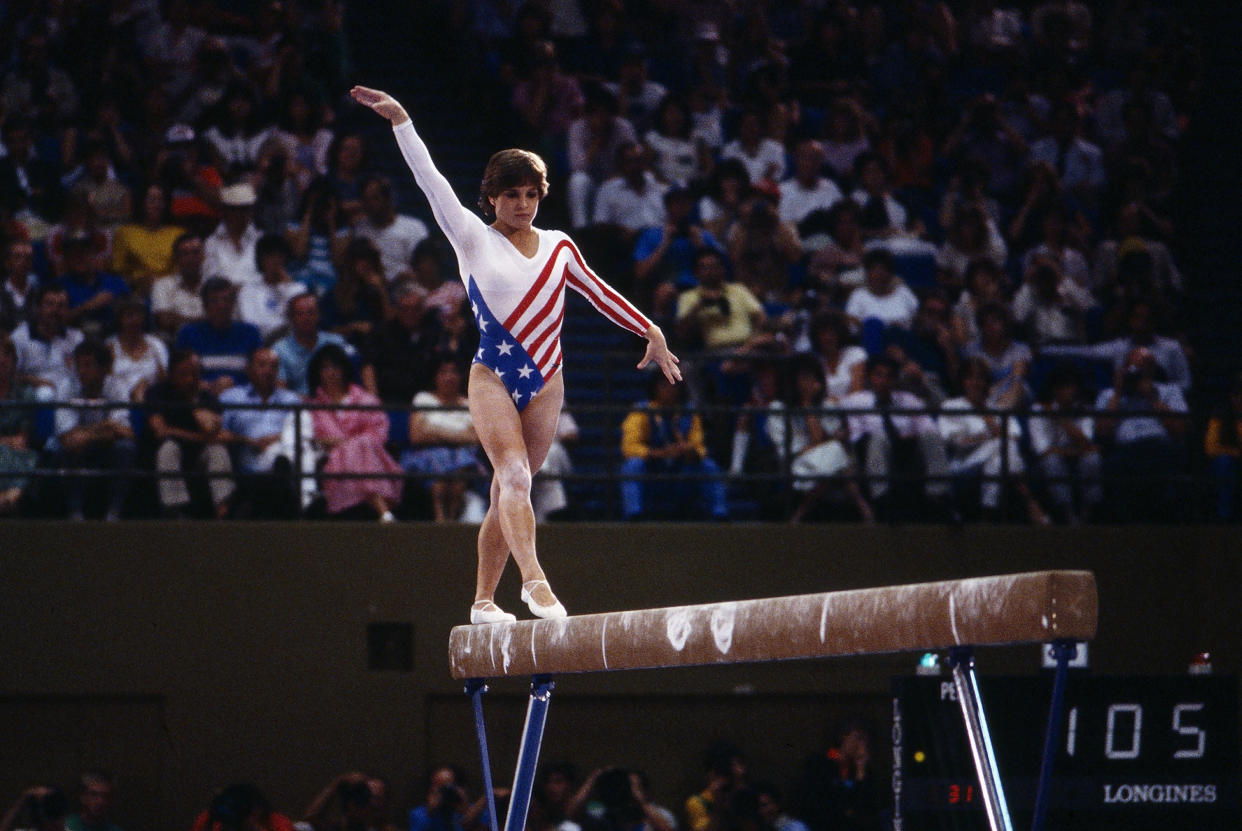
[1050, 306]
[1064, 446]
[633, 199]
[263, 304]
[45, 344]
[395, 235]
[229, 251]
[175, 299]
[883, 296]
[808, 189]
[762, 157]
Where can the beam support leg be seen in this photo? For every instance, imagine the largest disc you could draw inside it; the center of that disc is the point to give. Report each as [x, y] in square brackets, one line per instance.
[962, 660]
[475, 689]
[528, 756]
[1063, 652]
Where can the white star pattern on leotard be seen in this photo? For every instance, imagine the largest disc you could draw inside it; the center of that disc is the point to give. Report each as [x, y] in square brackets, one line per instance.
[505, 348]
[517, 396]
[525, 372]
[480, 355]
[482, 325]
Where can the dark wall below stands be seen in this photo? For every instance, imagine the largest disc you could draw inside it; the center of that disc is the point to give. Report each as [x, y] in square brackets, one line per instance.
[185, 656]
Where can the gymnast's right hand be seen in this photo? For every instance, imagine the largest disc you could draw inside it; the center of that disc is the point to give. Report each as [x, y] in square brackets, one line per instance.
[382, 103]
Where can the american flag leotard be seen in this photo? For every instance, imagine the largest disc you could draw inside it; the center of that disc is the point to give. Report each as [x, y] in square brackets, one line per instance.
[518, 302]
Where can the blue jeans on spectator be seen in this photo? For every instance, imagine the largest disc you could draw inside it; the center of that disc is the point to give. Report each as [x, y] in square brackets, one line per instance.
[674, 497]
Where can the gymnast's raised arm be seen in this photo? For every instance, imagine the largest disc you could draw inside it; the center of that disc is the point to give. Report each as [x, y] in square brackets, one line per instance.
[459, 224]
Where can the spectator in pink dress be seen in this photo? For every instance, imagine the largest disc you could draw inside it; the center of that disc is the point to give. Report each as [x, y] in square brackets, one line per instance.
[354, 439]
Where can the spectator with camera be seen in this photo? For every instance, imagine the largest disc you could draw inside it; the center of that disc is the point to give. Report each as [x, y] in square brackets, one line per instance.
[350, 802]
[241, 807]
[664, 255]
[716, 315]
[447, 807]
[97, 797]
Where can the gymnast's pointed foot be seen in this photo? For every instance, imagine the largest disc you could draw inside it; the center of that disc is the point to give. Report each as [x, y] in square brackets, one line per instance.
[545, 610]
[486, 611]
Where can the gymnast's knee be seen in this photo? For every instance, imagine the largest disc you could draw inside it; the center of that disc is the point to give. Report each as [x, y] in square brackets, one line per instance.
[513, 475]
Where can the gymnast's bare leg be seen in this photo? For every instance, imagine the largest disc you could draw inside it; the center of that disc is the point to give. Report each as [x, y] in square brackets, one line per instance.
[516, 444]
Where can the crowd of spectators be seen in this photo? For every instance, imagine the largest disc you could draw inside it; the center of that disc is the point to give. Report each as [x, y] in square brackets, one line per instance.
[836, 788]
[963, 208]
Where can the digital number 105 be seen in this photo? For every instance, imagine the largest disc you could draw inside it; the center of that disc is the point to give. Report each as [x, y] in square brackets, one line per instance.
[1123, 731]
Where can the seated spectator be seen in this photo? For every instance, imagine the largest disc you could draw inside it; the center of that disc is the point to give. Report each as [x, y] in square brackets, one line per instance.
[45, 343]
[237, 132]
[552, 805]
[185, 172]
[350, 802]
[983, 280]
[970, 238]
[221, 342]
[929, 359]
[304, 338]
[19, 283]
[29, 184]
[356, 306]
[1078, 162]
[394, 235]
[836, 267]
[93, 294]
[94, 438]
[986, 445]
[318, 239]
[307, 141]
[17, 453]
[808, 189]
[716, 315]
[263, 304]
[721, 207]
[1143, 421]
[838, 787]
[618, 799]
[241, 807]
[1049, 306]
[883, 297]
[444, 442]
[772, 809]
[264, 440]
[632, 199]
[664, 256]
[348, 166]
[1132, 239]
[762, 157]
[547, 100]
[1056, 246]
[725, 774]
[459, 336]
[1141, 318]
[352, 438]
[139, 359]
[638, 97]
[142, 250]
[229, 251]
[594, 143]
[176, 299]
[432, 268]
[678, 151]
[763, 250]
[97, 798]
[882, 216]
[1008, 359]
[662, 437]
[277, 194]
[397, 357]
[844, 364]
[890, 445]
[812, 442]
[186, 428]
[1065, 448]
[985, 134]
[96, 182]
[548, 496]
[1223, 449]
[845, 137]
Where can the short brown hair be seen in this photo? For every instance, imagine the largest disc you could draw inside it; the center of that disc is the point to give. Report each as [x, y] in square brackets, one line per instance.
[510, 169]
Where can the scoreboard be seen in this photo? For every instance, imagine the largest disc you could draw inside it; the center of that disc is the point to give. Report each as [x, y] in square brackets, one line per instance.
[1133, 754]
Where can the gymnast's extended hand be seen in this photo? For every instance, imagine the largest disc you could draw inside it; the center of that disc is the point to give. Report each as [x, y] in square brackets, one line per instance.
[382, 103]
[657, 351]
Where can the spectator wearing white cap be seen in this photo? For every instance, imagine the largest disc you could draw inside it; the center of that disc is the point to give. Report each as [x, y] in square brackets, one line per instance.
[229, 251]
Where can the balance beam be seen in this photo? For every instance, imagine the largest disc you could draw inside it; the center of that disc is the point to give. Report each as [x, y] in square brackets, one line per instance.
[1031, 607]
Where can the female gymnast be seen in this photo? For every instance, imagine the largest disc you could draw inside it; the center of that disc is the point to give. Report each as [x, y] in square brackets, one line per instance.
[515, 276]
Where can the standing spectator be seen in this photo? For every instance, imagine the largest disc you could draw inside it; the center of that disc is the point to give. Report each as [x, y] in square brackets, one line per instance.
[353, 438]
[891, 444]
[142, 250]
[882, 298]
[716, 315]
[319, 238]
[17, 454]
[398, 356]
[94, 438]
[632, 199]
[38, 808]
[445, 446]
[176, 299]
[20, 283]
[1063, 442]
[446, 807]
[264, 457]
[97, 797]
[45, 342]
[1223, 449]
[221, 342]
[186, 427]
[229, 251]
[394, 235]
[350, 802]
[263, 304]
[618, 800]
[139, 359]
[93, 294]
[985, 444]
[1144, 425]
[808, 190]
[594, 142]
[295, 350]
[661, 436]
[763, 158]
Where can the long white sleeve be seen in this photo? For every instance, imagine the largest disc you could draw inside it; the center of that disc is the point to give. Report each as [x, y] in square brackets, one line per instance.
[462, 227]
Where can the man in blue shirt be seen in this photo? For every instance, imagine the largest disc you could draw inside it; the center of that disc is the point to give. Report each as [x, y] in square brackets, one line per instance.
[93, 294]
[262, 453]
[221, 342]
[304, 339]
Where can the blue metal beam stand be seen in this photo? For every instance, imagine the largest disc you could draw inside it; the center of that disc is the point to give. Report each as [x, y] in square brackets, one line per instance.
[475, 689]
[962, 660]
[1063, 652]
[528, 756]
